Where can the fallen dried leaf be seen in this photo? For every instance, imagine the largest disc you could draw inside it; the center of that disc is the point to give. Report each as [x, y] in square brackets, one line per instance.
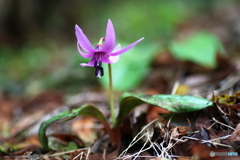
[85, 128]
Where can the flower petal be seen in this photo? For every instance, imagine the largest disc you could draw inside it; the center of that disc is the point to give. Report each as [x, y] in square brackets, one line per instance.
[110, 38]
[83, 40]
[125, 49]
[84, 54]
[114, 59]
[89, 64]
[110, 59]
[117, 48]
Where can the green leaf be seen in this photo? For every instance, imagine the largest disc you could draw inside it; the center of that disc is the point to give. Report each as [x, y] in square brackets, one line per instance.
[200, 48]
[132, 67]
[173, 103]
[84, 110]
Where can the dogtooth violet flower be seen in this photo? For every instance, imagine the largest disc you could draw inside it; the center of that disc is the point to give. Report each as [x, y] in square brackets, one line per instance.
[104, 52]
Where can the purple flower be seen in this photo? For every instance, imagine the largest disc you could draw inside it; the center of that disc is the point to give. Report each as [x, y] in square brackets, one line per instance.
[104, 52]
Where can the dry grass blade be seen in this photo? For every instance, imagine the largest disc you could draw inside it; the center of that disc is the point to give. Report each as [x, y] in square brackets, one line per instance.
[144, 134]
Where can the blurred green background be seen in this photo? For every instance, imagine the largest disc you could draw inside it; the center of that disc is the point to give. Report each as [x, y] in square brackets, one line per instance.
[38, 44]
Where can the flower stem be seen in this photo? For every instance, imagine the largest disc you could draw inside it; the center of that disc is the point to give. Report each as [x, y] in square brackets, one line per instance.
[111, 100]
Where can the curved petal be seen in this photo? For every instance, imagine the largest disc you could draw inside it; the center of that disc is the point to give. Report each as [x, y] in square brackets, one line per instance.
[125, 49]
[117, 48]
[110, 38]
[114, 59]
[84, 54]
[83, 40]
[89, 64]
[110, 59]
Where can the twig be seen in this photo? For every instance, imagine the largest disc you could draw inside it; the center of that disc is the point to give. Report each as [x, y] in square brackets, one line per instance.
[222, 124]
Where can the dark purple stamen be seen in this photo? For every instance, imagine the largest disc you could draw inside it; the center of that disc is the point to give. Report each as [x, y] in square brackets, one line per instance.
[96, 71]
[98, 68]
[101, 69]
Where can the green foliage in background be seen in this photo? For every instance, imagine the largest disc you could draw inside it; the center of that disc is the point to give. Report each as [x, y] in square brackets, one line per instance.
[133, 19]
[201, 48]
[34, 69]
[47, 57]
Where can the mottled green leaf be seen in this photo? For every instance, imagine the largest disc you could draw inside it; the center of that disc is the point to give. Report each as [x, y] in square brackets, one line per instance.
[84, 110]
[173, 103]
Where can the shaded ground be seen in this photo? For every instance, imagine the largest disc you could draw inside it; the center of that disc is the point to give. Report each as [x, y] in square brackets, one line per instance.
[145, 134]
[189, 134]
